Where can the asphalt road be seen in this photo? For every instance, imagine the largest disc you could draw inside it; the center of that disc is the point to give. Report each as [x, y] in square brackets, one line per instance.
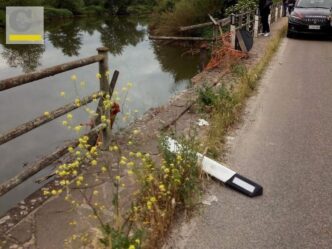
[285, 144]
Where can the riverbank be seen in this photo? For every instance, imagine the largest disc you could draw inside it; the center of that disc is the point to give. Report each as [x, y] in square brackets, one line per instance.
[180, 115]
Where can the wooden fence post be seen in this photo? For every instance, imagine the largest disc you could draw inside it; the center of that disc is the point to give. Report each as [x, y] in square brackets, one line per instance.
[104, 87]
[276, 14]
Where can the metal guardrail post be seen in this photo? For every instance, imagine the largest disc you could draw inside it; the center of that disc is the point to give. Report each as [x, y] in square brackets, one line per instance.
[233, 30]
[270, 17]
[256, 24]
[248, 22]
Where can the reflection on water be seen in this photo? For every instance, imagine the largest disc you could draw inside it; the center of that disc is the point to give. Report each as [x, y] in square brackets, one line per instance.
[156, 71]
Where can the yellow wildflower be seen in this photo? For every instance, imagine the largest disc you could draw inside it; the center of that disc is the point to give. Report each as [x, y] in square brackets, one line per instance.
[103, 118]
[94, 162]
[95, 192]
[62, 94]
[64, 122]
[54, 192]
[98, 76]
[47, 114]
[149, 204]
[131, 247]
[73, 77]
[162, 188]
[103, 169]
[135, 132]
[130, 164]
[69, 116]
[77, 102]
[62, 182]
[78, 128]
[130, 172]
[149, 178]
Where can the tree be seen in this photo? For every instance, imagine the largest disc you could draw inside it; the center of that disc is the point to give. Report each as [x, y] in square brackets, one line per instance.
[118, 7]
[74, 6]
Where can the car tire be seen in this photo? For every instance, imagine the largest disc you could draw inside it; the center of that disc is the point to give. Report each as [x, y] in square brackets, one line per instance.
[290, 34]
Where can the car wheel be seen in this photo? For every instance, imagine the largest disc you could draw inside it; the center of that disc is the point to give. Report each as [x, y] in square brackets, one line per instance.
[290, 34]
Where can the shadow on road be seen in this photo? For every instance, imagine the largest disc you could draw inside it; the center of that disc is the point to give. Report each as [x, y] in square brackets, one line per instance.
[310, 37]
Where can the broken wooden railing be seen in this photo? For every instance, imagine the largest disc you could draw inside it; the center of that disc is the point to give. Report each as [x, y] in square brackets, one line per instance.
[248, 21]
[105, 130]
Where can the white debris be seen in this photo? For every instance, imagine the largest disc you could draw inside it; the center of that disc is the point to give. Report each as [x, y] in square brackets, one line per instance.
[202, 122]
[210, 199]
[229, 138]
[4, 219]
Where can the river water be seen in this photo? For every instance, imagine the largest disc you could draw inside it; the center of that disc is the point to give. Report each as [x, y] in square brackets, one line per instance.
[156, 71]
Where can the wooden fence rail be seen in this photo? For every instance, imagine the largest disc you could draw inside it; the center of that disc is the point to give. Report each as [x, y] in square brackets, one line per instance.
[30, 125]
[29, 171]
[105, 88]
[47, 72]
[222, 22]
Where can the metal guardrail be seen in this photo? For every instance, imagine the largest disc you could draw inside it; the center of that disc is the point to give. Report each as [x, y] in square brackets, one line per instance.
[249, 21]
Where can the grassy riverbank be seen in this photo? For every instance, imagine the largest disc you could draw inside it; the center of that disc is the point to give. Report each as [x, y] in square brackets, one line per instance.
[225, 104]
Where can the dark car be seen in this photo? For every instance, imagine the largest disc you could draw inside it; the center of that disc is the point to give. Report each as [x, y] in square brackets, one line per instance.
[310, 17]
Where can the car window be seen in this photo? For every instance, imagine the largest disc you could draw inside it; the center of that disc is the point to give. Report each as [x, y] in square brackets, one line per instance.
[314, 4]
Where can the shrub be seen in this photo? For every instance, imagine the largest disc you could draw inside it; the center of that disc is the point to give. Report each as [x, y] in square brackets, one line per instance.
[242, 6]
[93, 10]
[74, 6]
[171, 15]
[56, 13]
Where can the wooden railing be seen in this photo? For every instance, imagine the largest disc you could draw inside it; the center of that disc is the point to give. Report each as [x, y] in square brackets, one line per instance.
[249, 21]
[104, 87]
